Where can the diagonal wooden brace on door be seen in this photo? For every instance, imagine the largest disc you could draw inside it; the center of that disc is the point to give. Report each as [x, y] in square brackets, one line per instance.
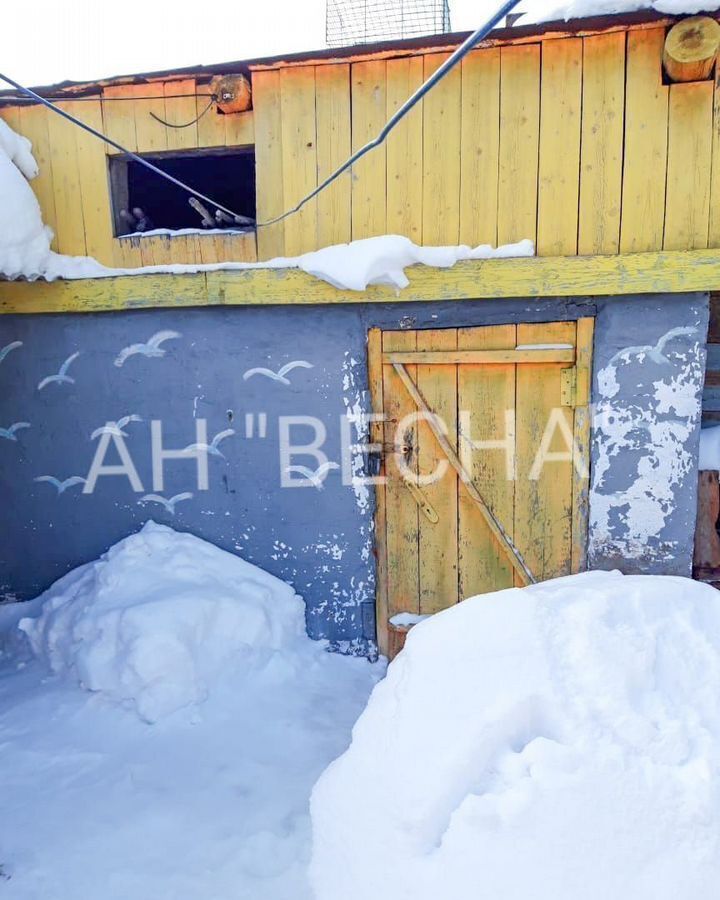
[495, 526]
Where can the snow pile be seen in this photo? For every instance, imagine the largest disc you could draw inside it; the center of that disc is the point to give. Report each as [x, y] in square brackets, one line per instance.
[24, 240]
[556, 742]
[537, 11]
[158, 620]
[709, 448]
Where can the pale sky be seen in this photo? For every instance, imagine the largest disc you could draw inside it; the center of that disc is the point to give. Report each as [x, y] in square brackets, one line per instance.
[53, 40]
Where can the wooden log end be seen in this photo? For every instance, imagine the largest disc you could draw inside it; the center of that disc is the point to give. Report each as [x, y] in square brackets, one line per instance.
[691, 47]
[233, 93]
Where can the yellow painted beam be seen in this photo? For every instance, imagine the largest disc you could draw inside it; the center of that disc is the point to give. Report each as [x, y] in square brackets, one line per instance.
[634, 273]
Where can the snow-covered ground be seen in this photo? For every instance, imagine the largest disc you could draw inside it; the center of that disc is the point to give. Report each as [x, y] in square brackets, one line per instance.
[211, 800]
[560, 742]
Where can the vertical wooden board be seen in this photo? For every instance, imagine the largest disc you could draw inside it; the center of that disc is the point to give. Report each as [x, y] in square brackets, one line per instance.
[299, 156]
[239, 129]
[485, 392]
[438, 541]
[559, 166]
[519, 136]
[441, 155]
[66, 184]
[332, 105]
[150, 134]
[401, 508]
[714, 226]
[646, 124]
[603, 108]
[11, 116]
[687, 204]
[405, 150]
[94, 183]
[375, 382]
[543, 507]
[240, 247]
[161, 250]
[119, 113]
[480, 147]
[127, 253]
[369, 194]
[268, 162]
[181, 109]
[581, 465]
[211, 126]
[34, 125]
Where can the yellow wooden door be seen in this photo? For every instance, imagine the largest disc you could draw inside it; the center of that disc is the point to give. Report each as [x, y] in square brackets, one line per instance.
[485, 448]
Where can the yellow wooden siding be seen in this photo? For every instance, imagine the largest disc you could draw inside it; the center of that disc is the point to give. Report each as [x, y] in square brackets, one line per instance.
[441, 156]
[519, 134]
[646, 115]
[687, 204]
[603, 106]
[573, 142]
[559, 167]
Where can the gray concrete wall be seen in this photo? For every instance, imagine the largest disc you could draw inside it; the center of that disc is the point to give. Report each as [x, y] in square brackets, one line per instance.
[318, 539]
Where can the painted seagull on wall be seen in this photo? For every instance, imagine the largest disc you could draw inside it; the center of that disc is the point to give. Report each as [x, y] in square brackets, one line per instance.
[9, 433]
[150, 348]
[115, 428]
[61, 486]
[169, 504]
[212, 447]
[316, 477]
[62, 375]
[281, 372]
[13, 345]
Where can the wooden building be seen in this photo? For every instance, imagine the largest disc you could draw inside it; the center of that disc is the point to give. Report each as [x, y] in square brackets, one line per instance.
[570, 134]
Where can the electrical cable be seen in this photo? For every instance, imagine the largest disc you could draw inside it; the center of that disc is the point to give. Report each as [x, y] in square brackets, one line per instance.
[6, 99]
[112, 143]
[186, 124]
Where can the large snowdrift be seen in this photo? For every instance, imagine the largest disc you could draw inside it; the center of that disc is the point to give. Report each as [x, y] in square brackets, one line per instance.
[161, 618]
[557, 742]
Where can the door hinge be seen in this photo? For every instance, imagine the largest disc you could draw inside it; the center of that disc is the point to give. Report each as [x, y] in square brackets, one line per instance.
[568, 387]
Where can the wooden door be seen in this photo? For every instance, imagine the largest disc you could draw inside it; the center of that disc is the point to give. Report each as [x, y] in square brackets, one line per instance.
[485, 449]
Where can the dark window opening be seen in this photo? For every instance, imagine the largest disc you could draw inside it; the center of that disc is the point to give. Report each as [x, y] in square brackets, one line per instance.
[143, 200]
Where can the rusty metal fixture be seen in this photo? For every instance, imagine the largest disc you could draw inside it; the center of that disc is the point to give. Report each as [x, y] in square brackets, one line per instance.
[233, 93]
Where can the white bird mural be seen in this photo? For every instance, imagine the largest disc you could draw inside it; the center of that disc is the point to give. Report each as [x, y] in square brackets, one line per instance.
[281, 372]
[62, 375]
[653, 351]
[9, 433]
[115, 428]
[316, 477]
[13, 345]
[169, 504]
[61, 486]
[212, 447]
[151, 348]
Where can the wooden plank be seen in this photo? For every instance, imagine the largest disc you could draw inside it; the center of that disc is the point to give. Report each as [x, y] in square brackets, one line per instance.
[543, 505]
[687, 204]
[714, 226]
[11, 115]
[441, 155]
[375, 383]
[603, 109]
[268, 162]
[438, 542]
[94, 183]
[239, 129]
[519, 136]
[485, 393]
[299, 157]
[646, 118]
[581, 431]
[402, 515]
[33, 125]
[405, 151]
[118, 111]
[66, 185]
[369, 196]
[478, 357]
[151, 135]
[672, 271]
[332, 106]
[181, 109]
[559, 166]
[480, 147]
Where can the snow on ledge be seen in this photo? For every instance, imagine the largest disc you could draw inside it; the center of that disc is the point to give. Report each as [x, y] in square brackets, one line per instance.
[353, 266]
[537, 12]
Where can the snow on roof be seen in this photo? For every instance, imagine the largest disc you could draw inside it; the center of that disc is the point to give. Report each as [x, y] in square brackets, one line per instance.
[540, 11]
